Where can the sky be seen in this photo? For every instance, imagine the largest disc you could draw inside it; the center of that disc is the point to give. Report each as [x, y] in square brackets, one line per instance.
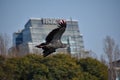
[97, 18]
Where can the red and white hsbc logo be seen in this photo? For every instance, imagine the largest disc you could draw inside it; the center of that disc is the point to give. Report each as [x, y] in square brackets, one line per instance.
[50, 21]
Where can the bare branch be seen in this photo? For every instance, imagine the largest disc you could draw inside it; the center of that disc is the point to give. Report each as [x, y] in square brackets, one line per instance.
[4, 44]
[112, 52]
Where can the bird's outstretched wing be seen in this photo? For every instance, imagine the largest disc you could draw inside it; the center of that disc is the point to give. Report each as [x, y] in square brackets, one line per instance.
[56, 33]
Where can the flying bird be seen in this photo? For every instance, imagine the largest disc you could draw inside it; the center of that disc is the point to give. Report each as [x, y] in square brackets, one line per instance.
[53, 39]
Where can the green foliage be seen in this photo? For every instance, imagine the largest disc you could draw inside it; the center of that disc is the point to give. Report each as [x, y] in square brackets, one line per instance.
[94, 67]
[56, 67]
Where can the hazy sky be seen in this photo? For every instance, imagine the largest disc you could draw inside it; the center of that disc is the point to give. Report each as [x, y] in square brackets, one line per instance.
[97, 18]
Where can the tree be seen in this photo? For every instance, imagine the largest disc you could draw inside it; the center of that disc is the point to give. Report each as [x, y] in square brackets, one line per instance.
[103, 60]
[112, 52]
[4, 44]
[94, 68]
[13, 51]
[54, 67]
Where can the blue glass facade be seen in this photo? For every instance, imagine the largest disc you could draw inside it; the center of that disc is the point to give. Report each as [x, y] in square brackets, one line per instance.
[36, 30]
[18, 38]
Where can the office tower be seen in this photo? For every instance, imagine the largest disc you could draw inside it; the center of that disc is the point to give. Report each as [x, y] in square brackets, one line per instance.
[36, 30]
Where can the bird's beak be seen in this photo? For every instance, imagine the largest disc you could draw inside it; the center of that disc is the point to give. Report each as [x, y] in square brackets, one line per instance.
[38, 46]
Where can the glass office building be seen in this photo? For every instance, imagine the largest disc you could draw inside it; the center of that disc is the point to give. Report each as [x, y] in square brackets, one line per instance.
[36, 30]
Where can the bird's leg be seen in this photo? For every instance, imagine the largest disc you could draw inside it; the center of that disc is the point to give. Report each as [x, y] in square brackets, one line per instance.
[48, 51]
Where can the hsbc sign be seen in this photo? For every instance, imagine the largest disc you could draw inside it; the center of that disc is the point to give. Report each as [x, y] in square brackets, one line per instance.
[50, 21]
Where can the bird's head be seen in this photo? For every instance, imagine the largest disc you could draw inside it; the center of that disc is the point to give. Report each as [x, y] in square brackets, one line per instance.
[61, 23]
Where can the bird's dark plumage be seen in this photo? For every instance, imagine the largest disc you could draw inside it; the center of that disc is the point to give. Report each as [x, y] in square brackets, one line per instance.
[53, 40]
